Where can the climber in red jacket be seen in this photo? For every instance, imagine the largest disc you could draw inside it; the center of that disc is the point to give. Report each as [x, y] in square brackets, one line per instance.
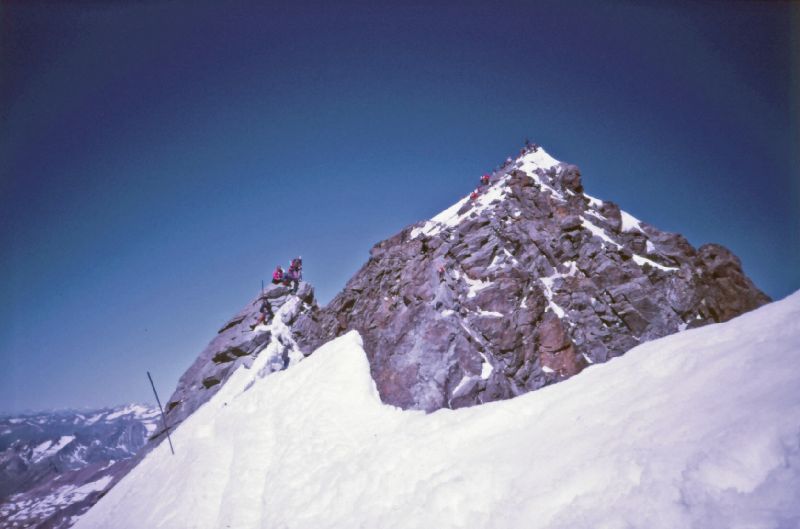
[277, 275]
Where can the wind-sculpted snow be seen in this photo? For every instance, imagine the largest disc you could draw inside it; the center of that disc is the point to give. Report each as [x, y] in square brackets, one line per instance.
[696, 430]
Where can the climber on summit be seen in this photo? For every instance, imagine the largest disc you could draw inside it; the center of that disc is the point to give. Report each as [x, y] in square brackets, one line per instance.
[277, 275]
[295, 274]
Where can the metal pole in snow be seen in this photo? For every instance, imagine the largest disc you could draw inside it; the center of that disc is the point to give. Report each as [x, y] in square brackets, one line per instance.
[163, 418]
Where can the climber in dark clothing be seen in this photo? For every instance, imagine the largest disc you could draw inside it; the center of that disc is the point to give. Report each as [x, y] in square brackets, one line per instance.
[266, 310]
[485, 180]
[264, 313]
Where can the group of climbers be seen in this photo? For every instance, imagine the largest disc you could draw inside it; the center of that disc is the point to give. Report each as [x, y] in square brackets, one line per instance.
[291, 277]
[485, 179]
[529, 147]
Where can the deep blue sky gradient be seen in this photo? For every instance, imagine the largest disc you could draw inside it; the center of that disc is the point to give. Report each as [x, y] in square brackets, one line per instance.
[157, 159]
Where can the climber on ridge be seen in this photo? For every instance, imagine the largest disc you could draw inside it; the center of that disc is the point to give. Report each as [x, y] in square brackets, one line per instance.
[297, 262]
[277, 275]
[485, 180]
[473, 195]
[294, 275]
[264, 313]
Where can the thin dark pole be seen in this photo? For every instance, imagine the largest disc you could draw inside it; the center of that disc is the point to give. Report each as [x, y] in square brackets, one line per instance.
[163, 418]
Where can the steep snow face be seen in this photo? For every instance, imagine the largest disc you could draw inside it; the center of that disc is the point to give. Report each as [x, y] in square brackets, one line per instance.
[696, 430]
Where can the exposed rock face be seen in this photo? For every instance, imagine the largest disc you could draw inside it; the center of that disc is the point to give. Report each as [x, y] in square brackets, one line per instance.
[238, 343]
[538, 280]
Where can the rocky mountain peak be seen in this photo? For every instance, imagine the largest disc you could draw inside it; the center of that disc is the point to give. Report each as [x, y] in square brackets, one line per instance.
[522, 286]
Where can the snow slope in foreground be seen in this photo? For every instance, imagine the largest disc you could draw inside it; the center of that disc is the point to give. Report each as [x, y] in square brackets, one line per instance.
[699, 429]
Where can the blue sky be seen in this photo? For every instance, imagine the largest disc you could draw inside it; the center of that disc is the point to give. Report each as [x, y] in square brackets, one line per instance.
[158, 159]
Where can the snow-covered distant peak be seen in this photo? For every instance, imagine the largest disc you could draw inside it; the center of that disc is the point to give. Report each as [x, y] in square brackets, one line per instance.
[50, 447]
[137, 411]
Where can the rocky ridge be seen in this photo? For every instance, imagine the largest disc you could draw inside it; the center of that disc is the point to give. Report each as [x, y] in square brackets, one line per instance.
[522, 287]
[238, 343]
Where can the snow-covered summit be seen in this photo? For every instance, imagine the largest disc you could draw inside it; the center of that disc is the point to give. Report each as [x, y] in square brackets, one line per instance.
[522, 285]
[699, 430]
[547, 173]
[530, 161]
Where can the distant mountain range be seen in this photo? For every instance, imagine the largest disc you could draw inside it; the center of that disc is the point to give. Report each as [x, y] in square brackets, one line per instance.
[54, 465]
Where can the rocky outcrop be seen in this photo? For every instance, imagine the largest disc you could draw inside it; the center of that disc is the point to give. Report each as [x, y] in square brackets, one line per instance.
[520, 288]
[238, 343]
